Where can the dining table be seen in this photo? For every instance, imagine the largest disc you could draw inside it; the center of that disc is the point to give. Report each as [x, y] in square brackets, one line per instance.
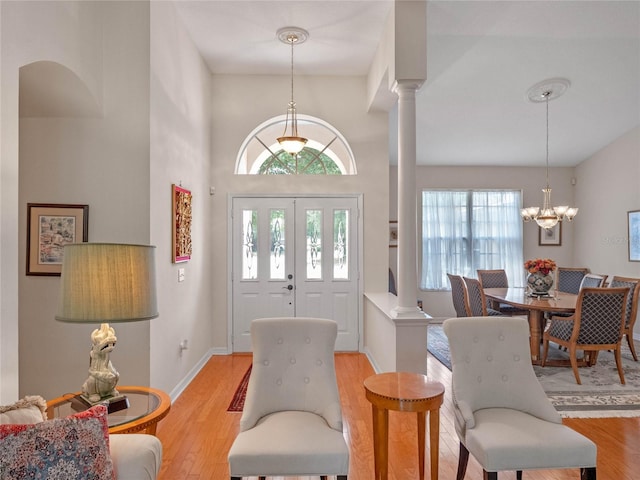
[536, 306]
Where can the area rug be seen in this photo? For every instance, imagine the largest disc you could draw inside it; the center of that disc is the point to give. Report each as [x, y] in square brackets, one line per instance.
[600, 395]
[237, 402]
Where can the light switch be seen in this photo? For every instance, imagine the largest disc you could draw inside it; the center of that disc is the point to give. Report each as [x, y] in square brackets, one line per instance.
[181, 275]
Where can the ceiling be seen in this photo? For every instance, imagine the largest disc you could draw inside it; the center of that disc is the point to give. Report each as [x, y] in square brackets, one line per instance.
[482, 57]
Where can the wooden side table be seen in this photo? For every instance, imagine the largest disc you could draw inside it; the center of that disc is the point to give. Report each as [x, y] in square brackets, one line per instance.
[147, 406]
[404, 392]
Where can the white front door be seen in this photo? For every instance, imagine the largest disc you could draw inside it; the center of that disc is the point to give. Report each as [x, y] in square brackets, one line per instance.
[295, 257]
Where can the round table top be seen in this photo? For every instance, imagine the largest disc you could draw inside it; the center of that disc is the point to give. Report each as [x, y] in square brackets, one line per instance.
[403, 390]
[147, 406]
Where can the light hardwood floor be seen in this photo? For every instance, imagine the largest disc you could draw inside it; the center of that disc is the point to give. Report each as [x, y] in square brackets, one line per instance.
[198, 432]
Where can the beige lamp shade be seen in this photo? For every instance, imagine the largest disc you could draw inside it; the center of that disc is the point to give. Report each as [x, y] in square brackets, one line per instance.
[107, 283]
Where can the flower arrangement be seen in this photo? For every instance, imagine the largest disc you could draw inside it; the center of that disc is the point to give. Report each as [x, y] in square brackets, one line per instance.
[542, 265]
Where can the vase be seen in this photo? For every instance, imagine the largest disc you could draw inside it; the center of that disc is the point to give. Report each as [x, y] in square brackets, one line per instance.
[540, 283]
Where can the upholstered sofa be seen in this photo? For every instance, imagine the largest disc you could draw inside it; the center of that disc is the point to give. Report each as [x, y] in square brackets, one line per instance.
[81, 446]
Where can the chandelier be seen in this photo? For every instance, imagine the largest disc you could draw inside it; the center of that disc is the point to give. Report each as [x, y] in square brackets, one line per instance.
[290, 141]
[548, 216]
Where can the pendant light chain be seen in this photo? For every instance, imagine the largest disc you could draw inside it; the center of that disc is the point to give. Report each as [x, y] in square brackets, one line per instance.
[548, 216]
[292, 39]
[290, 141]
[546, 97]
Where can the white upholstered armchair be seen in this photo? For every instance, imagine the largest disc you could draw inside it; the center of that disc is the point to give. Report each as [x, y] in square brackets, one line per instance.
[291, 424]
[502, 415]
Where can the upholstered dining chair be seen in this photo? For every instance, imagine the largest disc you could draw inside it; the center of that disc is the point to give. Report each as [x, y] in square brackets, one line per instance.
[502, 415]
[592, 280]
[477, 301]
[459, 295]
[291, 424]
[632, 307]
[597, 324]
[498, 279]
[588, 281]
[569, 279]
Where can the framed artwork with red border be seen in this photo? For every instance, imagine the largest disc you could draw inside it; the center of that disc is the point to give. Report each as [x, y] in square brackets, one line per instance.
[181, 229]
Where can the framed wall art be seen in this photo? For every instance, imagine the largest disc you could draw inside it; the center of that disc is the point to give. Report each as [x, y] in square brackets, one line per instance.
[633, 223]
[181, 229]
[50, 227]
[551, 237]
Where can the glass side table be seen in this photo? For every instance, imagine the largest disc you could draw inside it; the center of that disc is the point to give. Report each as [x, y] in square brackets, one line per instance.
[147, 406]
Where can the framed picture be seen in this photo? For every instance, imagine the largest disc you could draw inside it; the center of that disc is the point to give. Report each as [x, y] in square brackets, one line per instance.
[181, 229]
[633, 220]
[50, 227]
[393, 234]
[551, 237]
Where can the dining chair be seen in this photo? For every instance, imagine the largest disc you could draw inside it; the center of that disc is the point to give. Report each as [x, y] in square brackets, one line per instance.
[593, 280]
[598, 324]
[498, 279]
[502, 415]
[589, 280]
[459, 295]
[477, 301]
[569, 278]
[291, 424]
[632, 307]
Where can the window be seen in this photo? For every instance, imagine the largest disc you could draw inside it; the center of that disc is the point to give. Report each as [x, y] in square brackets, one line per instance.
[326, 152]
[309, 161]
[467, 230]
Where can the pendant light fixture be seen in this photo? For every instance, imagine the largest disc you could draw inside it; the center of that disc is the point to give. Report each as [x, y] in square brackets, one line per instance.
[547, 216]
[290, 141]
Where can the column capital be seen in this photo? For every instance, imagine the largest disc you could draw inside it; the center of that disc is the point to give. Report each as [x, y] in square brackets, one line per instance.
[406, 85]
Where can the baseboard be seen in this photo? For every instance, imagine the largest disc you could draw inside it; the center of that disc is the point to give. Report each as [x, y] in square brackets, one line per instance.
[184, 383]
[372, 361]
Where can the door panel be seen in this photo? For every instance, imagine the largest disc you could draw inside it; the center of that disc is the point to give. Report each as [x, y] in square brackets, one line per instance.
[261, 257]
[327, 283]
[295, 257]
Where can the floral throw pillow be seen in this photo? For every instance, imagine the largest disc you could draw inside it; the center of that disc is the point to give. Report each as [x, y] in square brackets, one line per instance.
[72, 448]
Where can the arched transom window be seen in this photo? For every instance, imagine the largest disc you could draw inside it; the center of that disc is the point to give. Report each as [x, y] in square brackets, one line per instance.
[326, 152]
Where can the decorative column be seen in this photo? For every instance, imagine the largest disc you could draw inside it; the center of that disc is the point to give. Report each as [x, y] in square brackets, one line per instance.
[407, 229]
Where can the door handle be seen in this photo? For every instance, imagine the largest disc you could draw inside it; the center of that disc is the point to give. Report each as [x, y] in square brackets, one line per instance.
[289, 287]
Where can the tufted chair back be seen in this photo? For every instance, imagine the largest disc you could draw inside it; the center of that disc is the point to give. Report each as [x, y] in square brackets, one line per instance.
[491, 368]
[502, 415]
[293, 369]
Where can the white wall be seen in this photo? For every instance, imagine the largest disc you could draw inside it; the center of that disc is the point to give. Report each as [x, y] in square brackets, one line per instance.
[180, 154]
[32, 31]
[240, 103]
[101, 161]
[529, 180]
[608, 186]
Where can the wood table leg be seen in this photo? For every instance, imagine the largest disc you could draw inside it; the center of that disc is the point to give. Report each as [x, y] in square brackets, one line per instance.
[535, 318]
[421, 442]
[380, 442]
[434, 440]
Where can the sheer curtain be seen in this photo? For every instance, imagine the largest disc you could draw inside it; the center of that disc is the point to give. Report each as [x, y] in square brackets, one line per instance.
[467, 230]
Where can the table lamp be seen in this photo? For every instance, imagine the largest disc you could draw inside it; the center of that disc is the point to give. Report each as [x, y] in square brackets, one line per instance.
[106, 283]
